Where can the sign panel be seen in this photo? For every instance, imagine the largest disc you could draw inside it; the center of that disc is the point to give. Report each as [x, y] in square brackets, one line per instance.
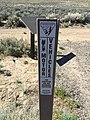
[47, 44]
[47, 49]
[30, 22]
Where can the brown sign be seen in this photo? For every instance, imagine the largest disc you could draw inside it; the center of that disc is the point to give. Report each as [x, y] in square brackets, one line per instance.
[47, 47]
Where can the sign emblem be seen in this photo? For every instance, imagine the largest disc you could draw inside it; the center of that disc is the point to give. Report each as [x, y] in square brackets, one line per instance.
[47, 29]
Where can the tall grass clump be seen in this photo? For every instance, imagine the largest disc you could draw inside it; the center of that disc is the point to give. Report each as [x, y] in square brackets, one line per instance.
[13, 47]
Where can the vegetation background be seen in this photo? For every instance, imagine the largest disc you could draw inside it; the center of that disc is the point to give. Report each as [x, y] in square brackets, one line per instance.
[19, 95]
[69, 12]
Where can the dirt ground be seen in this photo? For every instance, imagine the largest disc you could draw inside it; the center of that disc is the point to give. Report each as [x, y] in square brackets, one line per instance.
[15, 33]
[73, 34]
[74, 73]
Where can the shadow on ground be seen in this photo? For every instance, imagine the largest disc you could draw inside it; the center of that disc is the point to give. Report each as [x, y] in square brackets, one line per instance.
[5, 72]
[65, 58]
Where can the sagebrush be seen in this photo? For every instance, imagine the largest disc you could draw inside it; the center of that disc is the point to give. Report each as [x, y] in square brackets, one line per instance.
[13, 47]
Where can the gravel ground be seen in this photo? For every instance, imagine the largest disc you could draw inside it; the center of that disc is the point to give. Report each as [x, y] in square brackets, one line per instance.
[72, 73]
[75, 73]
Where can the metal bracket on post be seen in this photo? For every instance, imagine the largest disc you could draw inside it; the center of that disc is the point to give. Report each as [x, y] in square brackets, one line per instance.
[32, 46]
[30, 22]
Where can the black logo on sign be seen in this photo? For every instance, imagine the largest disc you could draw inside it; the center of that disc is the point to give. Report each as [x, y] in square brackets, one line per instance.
[47, 29]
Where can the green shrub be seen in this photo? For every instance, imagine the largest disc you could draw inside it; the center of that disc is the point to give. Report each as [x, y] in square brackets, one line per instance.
[1, 66]
[56, 114]
[59, 115]
[60, 92]
[3, 15]
[66, 98]
[67, 117]
[65, 25]
[1, 24]
[87, 17]
[73, 18]
[25, 62]
[12, 47]
[14, 22]
[7, 114]
[74, 104]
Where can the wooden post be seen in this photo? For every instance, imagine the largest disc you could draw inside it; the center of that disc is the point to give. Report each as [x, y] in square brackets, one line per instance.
[32, 46]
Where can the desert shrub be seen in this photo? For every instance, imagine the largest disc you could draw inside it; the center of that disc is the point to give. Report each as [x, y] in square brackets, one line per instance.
[1, 23]
[0, 18]
[67, 117]
[3, 15]
[68, 16]
[65, 25]
[60, 92]
[12, 47]
[87, 17]
[10, 114]
[74, 18]
[1, 66]
[60, 115]
[14, 22]
[25, 62]
[19, 13]
[66, 98]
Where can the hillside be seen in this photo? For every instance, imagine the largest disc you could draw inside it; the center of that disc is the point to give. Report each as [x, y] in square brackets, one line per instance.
[65, 3]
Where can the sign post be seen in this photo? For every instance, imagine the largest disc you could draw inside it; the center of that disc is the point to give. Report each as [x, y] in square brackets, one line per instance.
[47, 50]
